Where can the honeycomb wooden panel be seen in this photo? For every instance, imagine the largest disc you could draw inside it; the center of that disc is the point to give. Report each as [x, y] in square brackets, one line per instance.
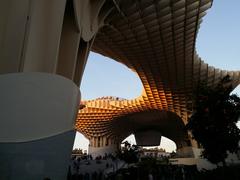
[156, 39]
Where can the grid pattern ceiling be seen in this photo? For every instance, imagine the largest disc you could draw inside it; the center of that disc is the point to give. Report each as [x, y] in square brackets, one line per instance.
[156, 39]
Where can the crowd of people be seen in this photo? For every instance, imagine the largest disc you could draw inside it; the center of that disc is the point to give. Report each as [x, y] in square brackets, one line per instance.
[157, 172]
[97, 167]
[147, 168]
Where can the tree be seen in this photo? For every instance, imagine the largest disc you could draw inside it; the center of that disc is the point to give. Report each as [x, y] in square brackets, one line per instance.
[129, 153]
[214, 118]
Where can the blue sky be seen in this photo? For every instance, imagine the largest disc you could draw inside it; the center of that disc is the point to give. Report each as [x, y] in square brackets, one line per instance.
[218, 44]
[218, 41]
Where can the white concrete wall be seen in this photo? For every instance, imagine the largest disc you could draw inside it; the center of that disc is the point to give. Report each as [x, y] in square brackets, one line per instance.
[43, 33]
[30, 35]
[36, 105]
[13, 22]
[37, 119]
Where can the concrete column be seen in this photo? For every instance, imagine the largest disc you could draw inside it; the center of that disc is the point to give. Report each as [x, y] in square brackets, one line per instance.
[96, 150]
[14, 18]
[83, 53]
[44, 36]
[37, 113]
[69, 44]
[104, 141]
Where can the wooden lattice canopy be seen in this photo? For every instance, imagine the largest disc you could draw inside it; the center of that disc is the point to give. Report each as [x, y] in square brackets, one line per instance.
[156, 39]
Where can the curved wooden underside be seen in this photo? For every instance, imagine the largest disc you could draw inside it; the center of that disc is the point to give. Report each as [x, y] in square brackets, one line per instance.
[156, 39]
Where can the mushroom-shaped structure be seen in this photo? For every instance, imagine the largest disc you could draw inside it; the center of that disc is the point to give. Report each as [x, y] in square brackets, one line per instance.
[156, 39]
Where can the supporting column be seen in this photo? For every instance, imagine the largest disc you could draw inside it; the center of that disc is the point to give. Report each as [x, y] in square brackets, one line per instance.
[82, 56]
[69, 44]
[13, 22]
[99, 146]
[30, 35]
[38, 113]
[43, 36]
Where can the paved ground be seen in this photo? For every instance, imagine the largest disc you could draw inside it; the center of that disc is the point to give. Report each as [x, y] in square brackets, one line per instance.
[104, 166]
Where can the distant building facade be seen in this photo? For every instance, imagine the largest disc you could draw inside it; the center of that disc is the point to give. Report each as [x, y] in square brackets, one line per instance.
[157, 153]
